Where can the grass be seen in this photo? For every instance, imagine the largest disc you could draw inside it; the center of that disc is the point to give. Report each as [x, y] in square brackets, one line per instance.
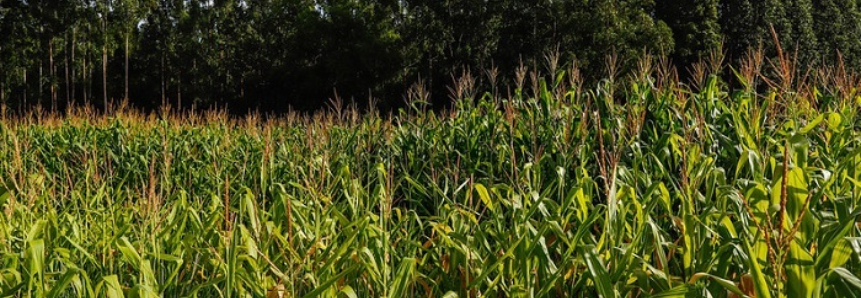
[636, 187]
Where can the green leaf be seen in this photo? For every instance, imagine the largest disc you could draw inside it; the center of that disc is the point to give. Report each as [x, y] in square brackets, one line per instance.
[761, 287]
[130, 254]
[251, 212]
[812, 124]
[403, 277]
[63, 283]
[840, 254]
[348, 291]
[327, 284]
[729, 285]
[598, 272]
[796, 198]
[834, 121]
[490, 269]
[677, 292]
[113, 288]
[484, 196]
[827, 251]
[800, 274]
[848, 277]
[36, 230]
[4, 196]
[36, 264]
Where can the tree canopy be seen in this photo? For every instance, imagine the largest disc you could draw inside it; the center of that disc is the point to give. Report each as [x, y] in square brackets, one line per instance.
[277, 54]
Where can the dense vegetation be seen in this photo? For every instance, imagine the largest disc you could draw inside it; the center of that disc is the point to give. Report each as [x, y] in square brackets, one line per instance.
[636, 186]
[271, 54]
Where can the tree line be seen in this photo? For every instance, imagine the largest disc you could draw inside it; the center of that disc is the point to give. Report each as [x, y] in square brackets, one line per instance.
[275, 54]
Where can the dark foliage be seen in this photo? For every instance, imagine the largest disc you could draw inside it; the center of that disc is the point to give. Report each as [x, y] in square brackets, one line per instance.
[272, 55]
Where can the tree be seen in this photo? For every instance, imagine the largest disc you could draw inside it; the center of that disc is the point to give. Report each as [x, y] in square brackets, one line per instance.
[748, 24]
[627, 28]
[273, 54]
[443, 37]
[695, 26]
[838, 24]
[129, 14]
[528, 30]
[104, 8]
[741, 26]
[803, 38]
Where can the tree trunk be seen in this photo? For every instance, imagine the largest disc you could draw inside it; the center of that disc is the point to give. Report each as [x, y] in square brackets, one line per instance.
[2, 101]
[51, 74]
[74, 36]
[39, 83]
[67, 75]
[84, 79]
[3, 95]
[126, 94]
[105, 76]
[105, 61]
[162, 79]
[25, 90]
[179, 93]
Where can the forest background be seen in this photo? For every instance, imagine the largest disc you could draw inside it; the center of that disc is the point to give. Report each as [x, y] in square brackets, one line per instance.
[275, 55]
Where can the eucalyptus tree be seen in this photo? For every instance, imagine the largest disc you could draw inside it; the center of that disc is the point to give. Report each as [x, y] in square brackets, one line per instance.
[749, 24]
[695, 25]
[838, 26]
[159, 38]
[443, 37]
[13, 28]
[527, 31]
[28, 28]
[130, 14]
[4, 49]
[803, 40]
[55, 18]
[232, 25]
[104, 9]
[625, 28]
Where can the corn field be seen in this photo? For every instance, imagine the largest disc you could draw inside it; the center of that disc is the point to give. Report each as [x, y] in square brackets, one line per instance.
[638, 186]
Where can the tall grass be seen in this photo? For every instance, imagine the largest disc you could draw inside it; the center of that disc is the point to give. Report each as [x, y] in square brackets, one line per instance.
[638, 186]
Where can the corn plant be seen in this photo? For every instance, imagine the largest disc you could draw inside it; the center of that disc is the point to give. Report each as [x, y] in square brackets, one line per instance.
[635, 187]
